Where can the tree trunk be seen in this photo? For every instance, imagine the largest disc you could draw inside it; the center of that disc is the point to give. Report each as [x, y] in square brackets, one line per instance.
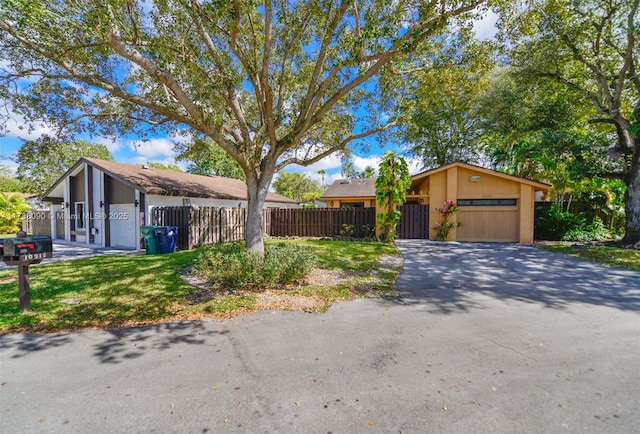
[257, 190]
[632, 200]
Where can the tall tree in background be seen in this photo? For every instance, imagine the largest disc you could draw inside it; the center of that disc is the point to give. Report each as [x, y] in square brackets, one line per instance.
[41, 162]
[207, 158]
[272, 83]
[8, 182]
[591, 47]
[348, 170]
[163, 166]
[322, 174]
[368, 172]
[440, 108]
[297, 186]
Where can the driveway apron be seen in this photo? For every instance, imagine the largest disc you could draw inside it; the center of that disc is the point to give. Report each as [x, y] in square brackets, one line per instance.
[482, 338]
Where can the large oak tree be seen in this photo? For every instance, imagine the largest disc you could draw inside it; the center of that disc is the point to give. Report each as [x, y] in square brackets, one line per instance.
[271, 82]
[592, 48]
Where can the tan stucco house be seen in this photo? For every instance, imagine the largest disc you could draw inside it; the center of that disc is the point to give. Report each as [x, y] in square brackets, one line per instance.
[494, 206]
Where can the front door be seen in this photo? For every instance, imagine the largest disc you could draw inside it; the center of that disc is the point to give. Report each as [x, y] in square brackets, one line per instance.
[60, 225]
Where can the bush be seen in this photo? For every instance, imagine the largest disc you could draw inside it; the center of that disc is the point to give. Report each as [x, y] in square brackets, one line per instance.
[286, 263]
[232, 265]
[552, 224]
[596, 231]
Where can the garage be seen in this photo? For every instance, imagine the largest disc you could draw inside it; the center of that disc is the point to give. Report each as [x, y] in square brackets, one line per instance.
[122, 225]
[488, 223]
[493, 206]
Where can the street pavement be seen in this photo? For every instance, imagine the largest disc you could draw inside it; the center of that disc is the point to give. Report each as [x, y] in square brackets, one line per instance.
[482, 338]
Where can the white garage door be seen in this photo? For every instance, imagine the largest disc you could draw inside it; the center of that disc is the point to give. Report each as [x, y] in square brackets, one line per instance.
[122, 225]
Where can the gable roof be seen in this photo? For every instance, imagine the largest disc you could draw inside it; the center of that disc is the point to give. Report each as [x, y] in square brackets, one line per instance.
[160, 182]
[358, 187]
[365, 187]
[535, 184]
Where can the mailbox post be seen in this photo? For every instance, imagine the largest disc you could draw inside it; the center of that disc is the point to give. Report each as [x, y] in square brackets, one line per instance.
[25, 251]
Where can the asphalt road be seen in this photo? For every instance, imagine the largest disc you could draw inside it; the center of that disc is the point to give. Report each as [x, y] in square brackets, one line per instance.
[482, 339]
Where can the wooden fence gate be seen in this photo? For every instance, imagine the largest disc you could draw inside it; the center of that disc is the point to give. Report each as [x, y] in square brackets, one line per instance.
[414, 222]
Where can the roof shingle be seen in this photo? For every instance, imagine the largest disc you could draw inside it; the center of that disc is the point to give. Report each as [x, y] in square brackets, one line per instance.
[169, 183]
[359, 187]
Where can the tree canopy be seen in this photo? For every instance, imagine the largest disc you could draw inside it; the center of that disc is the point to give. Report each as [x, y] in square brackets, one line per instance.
[591, 48]
[297, 186]
[207, 158]
[441, 106]
[272, 83]
[41, 162]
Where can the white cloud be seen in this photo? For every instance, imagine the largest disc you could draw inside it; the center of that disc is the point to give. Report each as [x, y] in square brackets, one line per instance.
[328, 164]
[360, 163]
[415, 165]
[110, 144]
[486, 27]
[18, 128]
[153, 147]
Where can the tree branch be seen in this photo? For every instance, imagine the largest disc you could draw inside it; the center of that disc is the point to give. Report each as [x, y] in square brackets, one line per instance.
[331, 150]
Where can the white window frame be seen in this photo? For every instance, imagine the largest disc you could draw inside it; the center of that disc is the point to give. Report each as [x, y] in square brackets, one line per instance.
[79, 216]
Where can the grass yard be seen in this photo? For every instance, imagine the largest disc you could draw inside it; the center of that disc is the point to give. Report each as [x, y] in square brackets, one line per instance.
[628, 259]
[113, 291]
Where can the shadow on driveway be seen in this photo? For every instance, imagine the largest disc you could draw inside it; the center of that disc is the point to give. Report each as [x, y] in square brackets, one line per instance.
[445, 275]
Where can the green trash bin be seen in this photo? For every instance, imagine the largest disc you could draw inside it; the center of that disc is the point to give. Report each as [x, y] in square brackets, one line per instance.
[150, 241]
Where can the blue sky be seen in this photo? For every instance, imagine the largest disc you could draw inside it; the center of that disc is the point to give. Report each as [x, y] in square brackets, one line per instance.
[133, 150]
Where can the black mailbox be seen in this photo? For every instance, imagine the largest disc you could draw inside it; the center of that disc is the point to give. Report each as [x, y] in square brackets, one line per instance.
[28, 248]
[25, 251]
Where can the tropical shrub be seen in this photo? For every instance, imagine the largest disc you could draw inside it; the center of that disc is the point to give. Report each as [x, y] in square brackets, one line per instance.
[444, 227]
[233, 266]
[12, 209]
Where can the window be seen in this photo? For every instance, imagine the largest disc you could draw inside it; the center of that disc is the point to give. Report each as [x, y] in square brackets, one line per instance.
[487, 202]
[79, 216]
[351, 204]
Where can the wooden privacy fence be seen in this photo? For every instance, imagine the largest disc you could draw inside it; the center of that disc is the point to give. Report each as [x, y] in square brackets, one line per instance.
[201, 225]
[37, 222]
[321, 222]
[209, 225]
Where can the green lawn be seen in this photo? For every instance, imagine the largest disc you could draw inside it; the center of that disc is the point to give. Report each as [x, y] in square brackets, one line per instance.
[115, 291]
[628, 259]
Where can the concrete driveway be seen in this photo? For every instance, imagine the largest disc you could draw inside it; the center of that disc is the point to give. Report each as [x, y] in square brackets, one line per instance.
[482, 339]
[63, 251]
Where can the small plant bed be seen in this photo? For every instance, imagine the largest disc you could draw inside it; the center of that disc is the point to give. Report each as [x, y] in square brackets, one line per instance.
[116, 291]
[610, 254]
[296, 274]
